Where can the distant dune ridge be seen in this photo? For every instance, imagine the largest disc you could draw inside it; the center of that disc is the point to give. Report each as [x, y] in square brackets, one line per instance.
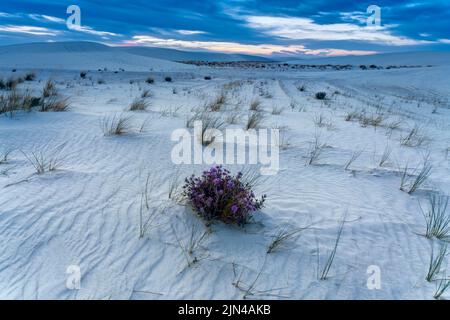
[93, 56]
[386, 59]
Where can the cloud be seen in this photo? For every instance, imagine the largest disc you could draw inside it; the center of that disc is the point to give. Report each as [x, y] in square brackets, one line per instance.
[190, 32]
[235, 47]
[32, 30]
[89, 30]
[84, 29]
[46, 18]
[446, 41]
[296, 28]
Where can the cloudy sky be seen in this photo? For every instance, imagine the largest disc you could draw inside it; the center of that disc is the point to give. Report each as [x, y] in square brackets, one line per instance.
[270, 27]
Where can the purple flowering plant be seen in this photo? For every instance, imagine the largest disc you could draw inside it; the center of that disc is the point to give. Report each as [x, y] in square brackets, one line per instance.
[218, 195]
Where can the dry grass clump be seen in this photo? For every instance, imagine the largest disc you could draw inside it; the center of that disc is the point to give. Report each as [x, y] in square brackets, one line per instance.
[10, 83]
[209, 124]
[15, 101]
[116, 125]
[30, 76]
[255, 105]
[414, 138]
[50, 100]
[254, 120]
[49, 89]
[139, 104]
[54, 104]
[411, 182]
[45, 159]
[277, 111]
[218, 102]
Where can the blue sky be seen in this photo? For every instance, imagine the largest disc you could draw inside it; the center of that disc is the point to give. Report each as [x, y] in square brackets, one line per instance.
[271, 27]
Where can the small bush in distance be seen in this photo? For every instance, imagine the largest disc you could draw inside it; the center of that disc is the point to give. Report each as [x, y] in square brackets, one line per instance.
[321, 95]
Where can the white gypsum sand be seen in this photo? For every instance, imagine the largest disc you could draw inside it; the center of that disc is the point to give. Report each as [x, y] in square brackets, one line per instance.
[134, 242]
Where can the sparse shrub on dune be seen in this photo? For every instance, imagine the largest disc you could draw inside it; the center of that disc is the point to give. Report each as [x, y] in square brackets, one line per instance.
[208, 125]
[326, 268]
[146, 94]
[385, 156]
[4, 155]
[150, 80]
[435, 264]
[16, 101]
[442, 286]
[54, 104]
[415, 138]
[218, 102]
[219, 196]
[233, 118]
[207, 78]
[374, 120]
[437, 217]
[30, 76]
[46, 158]
[411, 182]
[353, 115]
[315, 150]
[49, 89]
[83, 74]
[11, 83]
[116, 125]
[139, 105]
[277, 111]
[168, 79]
[254, 120]
[255, 105]
[321, 95]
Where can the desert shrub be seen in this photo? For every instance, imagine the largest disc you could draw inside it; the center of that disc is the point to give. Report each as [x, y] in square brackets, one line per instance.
[168, 79]
[321, 95]
[2, 84]
[101, 81]
[30, 76]
[150, 80]
[207, 78]
[83, 74]
[218, 195]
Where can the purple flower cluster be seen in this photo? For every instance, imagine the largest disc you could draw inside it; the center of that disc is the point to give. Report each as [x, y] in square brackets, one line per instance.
[217, 195]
